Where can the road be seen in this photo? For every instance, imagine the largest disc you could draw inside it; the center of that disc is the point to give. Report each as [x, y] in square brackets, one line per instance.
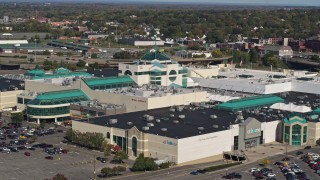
[183, 173]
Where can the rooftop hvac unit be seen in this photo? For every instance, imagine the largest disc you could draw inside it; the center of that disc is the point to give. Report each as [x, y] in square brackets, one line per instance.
[172, 110]
[213, 116]
[129, 123]
[182, 116]
[150, 118]
[145, 128]
[180, 108]
[175, 121]
[171, 115]
[150, 124]
[158, 120]
[113, 121]
[164, 129]
[145, 116]
[200, 128]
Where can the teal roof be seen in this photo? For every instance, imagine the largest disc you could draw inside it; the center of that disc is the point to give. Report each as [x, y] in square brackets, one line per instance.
[108, 80]
[316, 111]
[60, 97]
[295, 117]
[157, 64]
[249, 102]
[149, 56]
[35, 72]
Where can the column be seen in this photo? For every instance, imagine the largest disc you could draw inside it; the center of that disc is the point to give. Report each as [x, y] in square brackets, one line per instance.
[38, 121]
[55, 120]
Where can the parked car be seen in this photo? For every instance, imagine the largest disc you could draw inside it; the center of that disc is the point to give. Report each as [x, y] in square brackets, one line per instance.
[285, 159]
[253, 170]
[307, 147]
[299, 153]
[258, 175]
[194, 173]
[49, 157]
[233, 175]
[103, 160]
[27, 153]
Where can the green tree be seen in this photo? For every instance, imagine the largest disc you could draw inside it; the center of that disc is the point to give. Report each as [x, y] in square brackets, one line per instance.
[139, 165]
[17, 117]
[120, 156]
[217, 53]
[107, 171]
[59, 53]
[47, 53]
[315, 58]
[94, 55]
[254, 56]
[81, 63]
[59, 177]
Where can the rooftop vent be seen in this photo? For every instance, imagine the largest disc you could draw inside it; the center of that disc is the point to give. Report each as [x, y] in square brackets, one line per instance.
[172, 110]
[164, 129]
[129, 123]
[113, 121]
[175, 121]
[150, 118]
[158, 120]
[213, 116]
[150, 124]
[215, 126]
[145, 128]
[182, 116]
[200, 128]
[171, 115]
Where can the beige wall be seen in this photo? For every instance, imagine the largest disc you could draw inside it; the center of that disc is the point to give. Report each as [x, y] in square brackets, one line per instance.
[40, 86]
[313, 132]
[8, 99]
[177, 99]
[203, 73]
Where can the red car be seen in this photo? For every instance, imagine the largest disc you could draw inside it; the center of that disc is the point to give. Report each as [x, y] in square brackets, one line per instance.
[27, 153]
[49, 157]
[65, 151]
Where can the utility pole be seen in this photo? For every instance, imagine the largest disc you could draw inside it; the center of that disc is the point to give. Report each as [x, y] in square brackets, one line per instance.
[94, 167]
[59, 147]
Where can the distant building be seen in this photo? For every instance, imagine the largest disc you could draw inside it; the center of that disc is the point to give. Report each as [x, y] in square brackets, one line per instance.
[313, 44]
[141, 42]
[298, 45]
[280, 51]
[80, 28]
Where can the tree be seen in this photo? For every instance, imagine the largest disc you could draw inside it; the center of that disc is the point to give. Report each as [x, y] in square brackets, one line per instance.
[265, 162]
[17, 117]
[217, 53]
[59, 177]
[139, 165]
[315, 58]
[254, 56]
[117, 148]
[81, 63]
[106, 170]
[120, 156]
[150, 165]
[118, 169]
[47, 53]
[94, 55]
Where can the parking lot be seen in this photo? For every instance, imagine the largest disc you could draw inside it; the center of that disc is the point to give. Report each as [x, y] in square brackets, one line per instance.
[77, 163]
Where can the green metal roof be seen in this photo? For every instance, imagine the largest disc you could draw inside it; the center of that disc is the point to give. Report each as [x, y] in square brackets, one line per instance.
[295, 117]
[60, 97]
[35, 72]
[149, 56]
[316, 111]
[157, 64]
[108, 80]
[249, 102]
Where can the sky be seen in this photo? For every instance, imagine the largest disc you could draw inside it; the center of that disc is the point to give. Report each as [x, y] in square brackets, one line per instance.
[244, 2]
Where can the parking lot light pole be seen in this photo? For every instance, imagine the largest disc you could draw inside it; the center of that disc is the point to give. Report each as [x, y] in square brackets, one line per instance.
[94, 167]
[59, 147]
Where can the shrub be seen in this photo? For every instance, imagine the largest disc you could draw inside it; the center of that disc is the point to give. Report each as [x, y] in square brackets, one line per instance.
[221, 166]
[164, 165]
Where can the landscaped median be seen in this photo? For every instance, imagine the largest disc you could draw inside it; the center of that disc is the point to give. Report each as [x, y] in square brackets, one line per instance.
[220, 166]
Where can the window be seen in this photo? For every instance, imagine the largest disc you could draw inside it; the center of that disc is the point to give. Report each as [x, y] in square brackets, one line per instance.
[20, 100]
[120, 141]
[287, 134]
[296, 135]
[128, 73]
[108, 135]
[235, 142]
[305, 134]
[261, 138]
[134, 146]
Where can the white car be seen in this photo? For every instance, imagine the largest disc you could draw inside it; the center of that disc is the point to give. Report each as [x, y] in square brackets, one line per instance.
[6, 150]
[253, 170]
[271, 175]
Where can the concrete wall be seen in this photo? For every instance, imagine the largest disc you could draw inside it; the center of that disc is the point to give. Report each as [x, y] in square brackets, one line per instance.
[269, 131]
[203, 73]
[158, 147]
[87, 127]
[313, 132]
[207, 145]
[307, 87]
[8, 99]
[40, 86]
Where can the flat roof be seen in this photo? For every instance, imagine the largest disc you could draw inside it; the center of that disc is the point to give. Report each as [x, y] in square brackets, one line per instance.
[196, 118]
[108, 80]
[105, 72]
[11, 84]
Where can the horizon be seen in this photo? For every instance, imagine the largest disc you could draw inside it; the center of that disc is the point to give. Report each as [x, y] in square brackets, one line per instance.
[186, 2]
